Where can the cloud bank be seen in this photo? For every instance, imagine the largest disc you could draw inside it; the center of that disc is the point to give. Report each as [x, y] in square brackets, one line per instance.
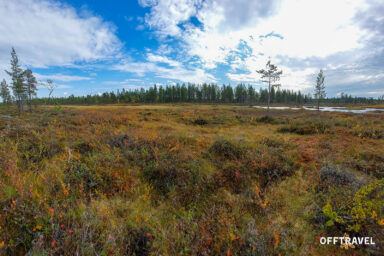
[301, 36]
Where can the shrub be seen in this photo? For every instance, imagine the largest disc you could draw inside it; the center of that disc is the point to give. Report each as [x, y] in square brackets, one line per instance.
[137, 241]
[334, 176]
[274, 143]
[362, 213]
[172, 171]
[371, 163]
[368, 131]
[18, 220]
[227, 150]
[119, 141]
[164, 166]
[256, 242]
[79, 176]
[233, 176]
[200, 121]
[239, 164]
[271, 164]
[316, 127]
[35, 148]
[266, 119]
[84, 147]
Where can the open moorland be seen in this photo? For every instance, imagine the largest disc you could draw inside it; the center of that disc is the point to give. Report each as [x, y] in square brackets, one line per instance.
[189, 180]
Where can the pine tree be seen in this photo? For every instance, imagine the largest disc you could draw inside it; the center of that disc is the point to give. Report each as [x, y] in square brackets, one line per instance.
[5, 93]
[17, 76]
[272, 75]
[31, 86]
[319, 88]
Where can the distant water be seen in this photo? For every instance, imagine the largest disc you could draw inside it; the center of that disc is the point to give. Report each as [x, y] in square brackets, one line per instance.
[330, 109]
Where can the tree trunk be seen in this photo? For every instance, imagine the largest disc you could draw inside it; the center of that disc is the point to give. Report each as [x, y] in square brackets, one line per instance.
[30, 103]
[269, 94]
[18, 101]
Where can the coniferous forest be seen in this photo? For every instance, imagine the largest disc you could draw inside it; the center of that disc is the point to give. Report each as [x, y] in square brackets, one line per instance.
[205, 93]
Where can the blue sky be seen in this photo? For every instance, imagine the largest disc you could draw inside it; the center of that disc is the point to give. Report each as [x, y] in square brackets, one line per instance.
[89, 47]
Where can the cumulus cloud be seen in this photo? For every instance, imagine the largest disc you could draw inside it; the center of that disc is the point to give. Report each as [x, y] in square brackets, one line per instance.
[166, 15]
[49, 33]
[301, 36]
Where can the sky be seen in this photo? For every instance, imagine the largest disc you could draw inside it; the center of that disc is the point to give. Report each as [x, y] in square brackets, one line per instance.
[89, 47]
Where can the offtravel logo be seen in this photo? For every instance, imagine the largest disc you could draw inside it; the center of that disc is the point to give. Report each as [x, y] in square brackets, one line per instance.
[346, 241]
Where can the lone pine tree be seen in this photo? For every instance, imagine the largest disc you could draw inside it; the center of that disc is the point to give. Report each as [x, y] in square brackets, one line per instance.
[270, 76]
[320, 88]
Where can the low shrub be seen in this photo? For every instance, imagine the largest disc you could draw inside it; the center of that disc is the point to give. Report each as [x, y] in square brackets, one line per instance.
[35, 148]
[164, 164]
[170, 171]
[238, 164]
[333, 176]
[271, 164]
[368, 131]
[274, 143]
[200, 121]
[370, 163]
[363, 213]
[80, 177]
[227, 150]
[316, 127]
[266, 119]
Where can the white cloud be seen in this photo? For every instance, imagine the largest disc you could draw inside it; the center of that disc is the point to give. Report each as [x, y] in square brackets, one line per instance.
[166, 15]
[162, 59]
[46, 33]
[61, 77]
[177, 71]
[314, 34]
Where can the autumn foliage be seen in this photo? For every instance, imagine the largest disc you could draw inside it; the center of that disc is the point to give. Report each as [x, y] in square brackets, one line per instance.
[188, 180]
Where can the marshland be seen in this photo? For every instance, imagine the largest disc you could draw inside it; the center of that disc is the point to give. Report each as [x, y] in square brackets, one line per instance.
[188, 179]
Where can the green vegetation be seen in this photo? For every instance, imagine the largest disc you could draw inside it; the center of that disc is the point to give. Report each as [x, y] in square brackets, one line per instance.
[188, 179]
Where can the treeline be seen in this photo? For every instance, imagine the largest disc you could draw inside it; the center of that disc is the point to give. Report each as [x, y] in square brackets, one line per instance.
[205, 93]
[348, 99]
